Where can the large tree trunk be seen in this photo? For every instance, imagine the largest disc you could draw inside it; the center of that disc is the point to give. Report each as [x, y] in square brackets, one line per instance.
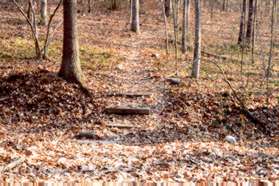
[197, 49]
[70, 69]
[185, 25]
[250, 22]
[43, 12]
[135, 27]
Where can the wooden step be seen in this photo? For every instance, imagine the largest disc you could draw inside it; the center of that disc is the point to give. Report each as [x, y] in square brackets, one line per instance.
[126, 110]
[90, 135]
[130, 94]
[115, 125]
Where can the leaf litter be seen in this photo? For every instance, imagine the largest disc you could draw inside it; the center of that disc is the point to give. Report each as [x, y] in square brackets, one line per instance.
[184, 139]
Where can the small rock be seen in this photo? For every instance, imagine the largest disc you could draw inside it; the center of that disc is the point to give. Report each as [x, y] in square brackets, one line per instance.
[230, 139]
[87, 168]
[174, 81]
[217, 152]
[261, 172]
[120, 67]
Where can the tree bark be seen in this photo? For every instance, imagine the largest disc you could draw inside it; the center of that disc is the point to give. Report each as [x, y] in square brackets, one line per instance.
[185, 25]
[166, 28]
[135, 27]
[272, 25]
[167, 7]
[70, 69]
[43, 12]
[250, 22]
[197, 49]
[242, 23]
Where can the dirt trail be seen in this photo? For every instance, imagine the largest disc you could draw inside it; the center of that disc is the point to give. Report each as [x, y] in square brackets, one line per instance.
[133, 76]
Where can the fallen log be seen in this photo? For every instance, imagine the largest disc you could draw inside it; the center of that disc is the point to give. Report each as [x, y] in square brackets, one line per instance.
[123, 110]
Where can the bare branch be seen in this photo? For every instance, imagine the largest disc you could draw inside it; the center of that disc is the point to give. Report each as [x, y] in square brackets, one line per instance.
[46, 42]
[244, 109]
[29, 22]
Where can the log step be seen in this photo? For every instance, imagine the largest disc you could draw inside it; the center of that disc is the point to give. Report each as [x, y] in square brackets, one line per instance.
[130, 94]
[87, 135]
[125, 110]
[114, 125]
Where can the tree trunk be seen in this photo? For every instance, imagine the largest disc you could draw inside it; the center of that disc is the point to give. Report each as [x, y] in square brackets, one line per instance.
[36, 32]
[29, 11]
[272, 25]
[197, 49]
[70, 69]
[135, 27]
[185, 25]
[225, 5]
[242, 23]
[43, 12]
[166, 28]
[175, 27]
[167, 7]
[250, 22]
[89, 6]
[254, 31]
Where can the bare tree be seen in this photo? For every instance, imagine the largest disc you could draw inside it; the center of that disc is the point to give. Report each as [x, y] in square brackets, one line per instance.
[167, 7]
[43, 12]
[197, 47]
[135, 27]
[272, 25]
[250, 22]
[242, 23]
[41, 52]
[70, 69]
[166, 28]
[31, 20]
[185, 25]
[175, 9]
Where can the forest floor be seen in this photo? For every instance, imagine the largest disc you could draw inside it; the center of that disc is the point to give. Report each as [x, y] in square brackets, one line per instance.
[50, 130]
